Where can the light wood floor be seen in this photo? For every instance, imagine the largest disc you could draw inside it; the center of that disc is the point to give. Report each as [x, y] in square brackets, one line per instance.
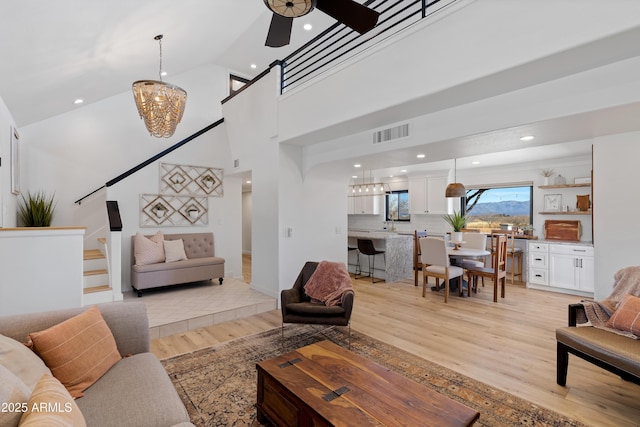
[509, 345]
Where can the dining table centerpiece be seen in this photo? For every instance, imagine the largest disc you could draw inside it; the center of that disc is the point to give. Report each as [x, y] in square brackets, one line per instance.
[457, 220]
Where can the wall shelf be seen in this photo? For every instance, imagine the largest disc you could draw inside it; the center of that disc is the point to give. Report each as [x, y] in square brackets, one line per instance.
[548, 187]
[566, 213]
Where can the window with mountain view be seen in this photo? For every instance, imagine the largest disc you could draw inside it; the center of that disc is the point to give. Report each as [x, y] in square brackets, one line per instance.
[487, 208]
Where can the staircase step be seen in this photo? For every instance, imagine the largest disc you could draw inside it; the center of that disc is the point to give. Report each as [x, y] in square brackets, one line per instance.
[92, 254]
[102, 240]
[95, 272]
[96, 289]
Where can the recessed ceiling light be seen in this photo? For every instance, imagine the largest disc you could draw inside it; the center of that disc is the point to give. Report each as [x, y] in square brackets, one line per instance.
[248, 182]
[78, 101]
[475, 162]
[254, 66]
[357, 165]
[308, 27]
[421, 156]
[390, 176]
[403, 171]
[354, 176]
[527, 138]
[163, 74]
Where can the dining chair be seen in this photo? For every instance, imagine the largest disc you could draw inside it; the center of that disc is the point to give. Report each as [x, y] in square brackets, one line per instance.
[515, 254]
[417, 262]
[498, 270]
[473, 240]
[436, 264]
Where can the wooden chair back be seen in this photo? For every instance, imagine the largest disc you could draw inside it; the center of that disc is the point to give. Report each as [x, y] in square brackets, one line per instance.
[417, 262]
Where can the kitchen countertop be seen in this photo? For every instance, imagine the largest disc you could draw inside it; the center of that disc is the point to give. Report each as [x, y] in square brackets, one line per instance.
[376, 234]
[565, 242]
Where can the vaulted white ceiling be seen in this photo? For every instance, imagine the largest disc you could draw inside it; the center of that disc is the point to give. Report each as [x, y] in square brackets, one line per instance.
[53, 52]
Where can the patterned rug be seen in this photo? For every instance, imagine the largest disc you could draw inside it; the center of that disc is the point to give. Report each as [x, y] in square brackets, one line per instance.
[218, 384]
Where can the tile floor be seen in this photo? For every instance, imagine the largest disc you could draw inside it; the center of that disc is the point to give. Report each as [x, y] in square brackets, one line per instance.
[177, 309]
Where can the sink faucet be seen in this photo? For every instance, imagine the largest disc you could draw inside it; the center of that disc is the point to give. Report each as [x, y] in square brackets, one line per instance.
[393, 227]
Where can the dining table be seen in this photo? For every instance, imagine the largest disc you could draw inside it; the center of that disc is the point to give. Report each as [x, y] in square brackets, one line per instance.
[459, 252]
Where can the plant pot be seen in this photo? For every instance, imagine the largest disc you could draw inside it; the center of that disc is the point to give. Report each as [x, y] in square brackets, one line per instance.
[456, 236]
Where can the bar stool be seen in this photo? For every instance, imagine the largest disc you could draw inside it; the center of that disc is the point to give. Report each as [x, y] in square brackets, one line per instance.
[358, 269]
[365, 246]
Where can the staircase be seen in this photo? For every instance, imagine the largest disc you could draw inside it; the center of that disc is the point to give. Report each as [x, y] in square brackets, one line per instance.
[96, 281]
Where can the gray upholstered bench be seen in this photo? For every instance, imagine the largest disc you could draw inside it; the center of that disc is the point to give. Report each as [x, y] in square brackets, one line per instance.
[202, 264]
[615, 353]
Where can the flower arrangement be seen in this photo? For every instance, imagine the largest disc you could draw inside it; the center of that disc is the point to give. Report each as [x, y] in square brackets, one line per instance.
[547, 173]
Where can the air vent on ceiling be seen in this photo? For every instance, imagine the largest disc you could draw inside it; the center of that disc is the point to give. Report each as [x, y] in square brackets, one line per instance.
[386, 135]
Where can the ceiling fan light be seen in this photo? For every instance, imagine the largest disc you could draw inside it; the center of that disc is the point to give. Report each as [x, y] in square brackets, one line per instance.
[290, 8]
[455, 189]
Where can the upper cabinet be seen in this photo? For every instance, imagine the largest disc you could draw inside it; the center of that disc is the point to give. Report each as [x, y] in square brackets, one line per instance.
[426, 195]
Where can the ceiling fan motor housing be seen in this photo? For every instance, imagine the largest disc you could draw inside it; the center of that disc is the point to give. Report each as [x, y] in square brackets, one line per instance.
[290, 8]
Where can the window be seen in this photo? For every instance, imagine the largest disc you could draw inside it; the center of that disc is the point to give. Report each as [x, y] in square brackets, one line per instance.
[236, 83]
[397, 206]
[488, 207]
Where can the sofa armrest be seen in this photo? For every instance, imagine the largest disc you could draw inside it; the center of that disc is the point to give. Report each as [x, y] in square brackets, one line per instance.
[347, 303]
[129, 325]
[574, 311]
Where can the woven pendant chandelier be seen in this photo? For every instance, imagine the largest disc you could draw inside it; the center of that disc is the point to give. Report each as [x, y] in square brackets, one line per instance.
[160, 104]
[455, 189]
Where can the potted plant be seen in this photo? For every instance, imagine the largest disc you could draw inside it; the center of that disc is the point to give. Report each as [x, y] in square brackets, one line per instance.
[457, 220]
[36, 210]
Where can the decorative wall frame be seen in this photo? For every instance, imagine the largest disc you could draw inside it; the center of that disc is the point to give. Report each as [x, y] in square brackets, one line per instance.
[192, 180]
[170, 210]
[15, 161]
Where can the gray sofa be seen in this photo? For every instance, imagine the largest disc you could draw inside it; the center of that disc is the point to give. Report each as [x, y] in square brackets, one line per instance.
[136, 391]
[202, 264]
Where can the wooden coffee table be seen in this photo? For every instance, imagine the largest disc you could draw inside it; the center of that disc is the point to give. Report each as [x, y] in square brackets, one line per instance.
[325, 385]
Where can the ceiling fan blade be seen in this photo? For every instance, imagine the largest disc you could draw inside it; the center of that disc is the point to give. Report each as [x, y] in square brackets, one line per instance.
[351, 13]
[279, 31]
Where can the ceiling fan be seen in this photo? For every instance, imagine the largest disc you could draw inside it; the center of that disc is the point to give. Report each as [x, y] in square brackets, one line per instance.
[351, 13]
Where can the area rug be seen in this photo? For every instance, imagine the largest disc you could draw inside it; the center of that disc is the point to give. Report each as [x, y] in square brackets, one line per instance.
[218, 384]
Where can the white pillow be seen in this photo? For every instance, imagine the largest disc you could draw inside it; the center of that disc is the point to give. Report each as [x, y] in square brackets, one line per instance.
[149, 250]
[174, 250]
[21, 361]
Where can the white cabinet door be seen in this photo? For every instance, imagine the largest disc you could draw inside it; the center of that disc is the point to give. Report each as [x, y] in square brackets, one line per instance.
[436, 201]
[418, 196]
[426, 195]
[563, 271]
[586, 274]
[367, 205]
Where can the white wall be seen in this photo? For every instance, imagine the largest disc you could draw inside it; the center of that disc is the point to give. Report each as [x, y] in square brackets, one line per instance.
[247, 218]
[8, 201]
[493, 56]
[615, 207]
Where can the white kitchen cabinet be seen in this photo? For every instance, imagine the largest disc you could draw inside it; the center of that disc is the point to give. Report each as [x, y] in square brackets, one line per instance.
[364, 205]
[426, 195]
[571, 267]
[561, 267]
[538, 263]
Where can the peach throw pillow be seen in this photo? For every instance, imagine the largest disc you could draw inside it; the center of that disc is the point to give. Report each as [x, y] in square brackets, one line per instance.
[78, 351]
[51, 405]
[627, 315]
[149, 250]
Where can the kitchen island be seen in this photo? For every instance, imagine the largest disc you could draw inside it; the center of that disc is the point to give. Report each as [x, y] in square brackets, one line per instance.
[398, 257]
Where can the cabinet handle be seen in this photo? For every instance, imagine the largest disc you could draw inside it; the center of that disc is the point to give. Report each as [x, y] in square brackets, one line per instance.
[580, 262]
[538, 275]
[579, 250]
[537, 259]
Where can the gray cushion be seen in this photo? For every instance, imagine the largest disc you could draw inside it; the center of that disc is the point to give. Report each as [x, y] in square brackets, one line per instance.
[135, 392]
